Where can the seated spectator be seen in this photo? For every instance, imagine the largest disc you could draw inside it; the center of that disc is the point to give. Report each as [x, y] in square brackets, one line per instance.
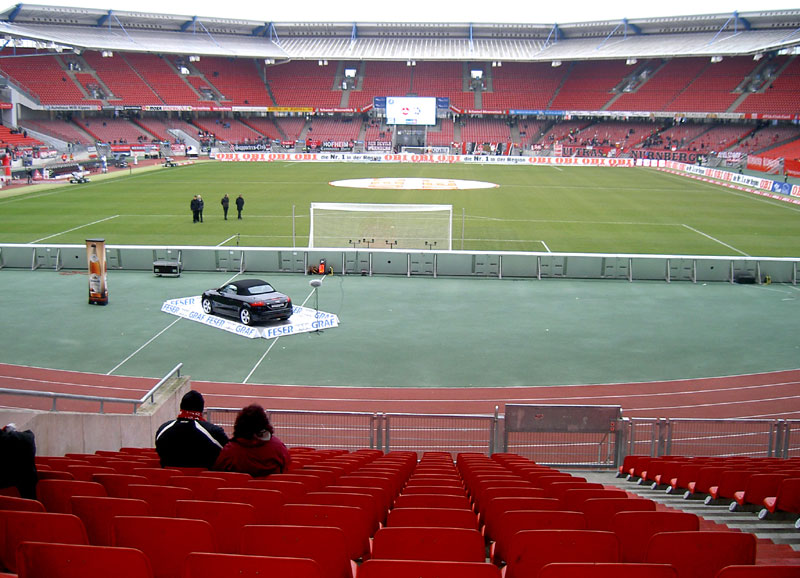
[189, 440]
[18, 451]
[254, 449]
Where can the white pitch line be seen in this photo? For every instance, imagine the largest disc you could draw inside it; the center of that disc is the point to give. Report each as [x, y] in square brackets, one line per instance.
[707, 236]
[546, 248]
[226, 240]
[148, 342]
[75, 229]
[274, 341]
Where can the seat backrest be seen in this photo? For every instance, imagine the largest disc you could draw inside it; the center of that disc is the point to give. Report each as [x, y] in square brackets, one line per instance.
[55, 494]
[558, 489]
[513, 521]
[497, 506]
[161, 498]
[165, 541]
[760, 571]
[433, 517]
[598, 511]
[363, 501]
[203, 487]
[97, 512]
[634, 530]
[39, 560]
[430, 501]
[760, 486]
[574, 498]
[701, 554]
[116, 485]
[417, 543]
[85, 473]
[267, 503]
[226, 518]
[532, 550]
[311, 482]
[292, 491]
[208, 565]
[426, 569]
[20, 504]
[606, 570]
[19, 526]
[324, 545]
[354, 522]
[232, 479]
[157, 475]
[788, 498]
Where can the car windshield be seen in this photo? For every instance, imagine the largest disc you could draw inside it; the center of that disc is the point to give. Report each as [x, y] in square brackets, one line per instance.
[260, 289]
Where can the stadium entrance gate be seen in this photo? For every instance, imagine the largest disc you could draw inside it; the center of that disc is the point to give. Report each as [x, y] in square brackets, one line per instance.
[570, 435]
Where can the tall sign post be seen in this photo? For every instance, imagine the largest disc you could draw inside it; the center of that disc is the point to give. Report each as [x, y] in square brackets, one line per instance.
[96, 257]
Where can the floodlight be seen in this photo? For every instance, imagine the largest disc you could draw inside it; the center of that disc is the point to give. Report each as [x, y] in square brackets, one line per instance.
[631, 61]
[106, 54]
[715, 59]
[555, 63]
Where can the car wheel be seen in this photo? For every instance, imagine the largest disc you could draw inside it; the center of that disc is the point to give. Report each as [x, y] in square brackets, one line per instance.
[244, 316]
[207, 307]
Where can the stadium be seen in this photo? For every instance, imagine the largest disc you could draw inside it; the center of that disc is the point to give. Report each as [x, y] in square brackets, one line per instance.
[567, 246]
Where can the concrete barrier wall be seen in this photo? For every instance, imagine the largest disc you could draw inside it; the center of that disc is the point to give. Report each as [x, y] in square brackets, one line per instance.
[61, 432]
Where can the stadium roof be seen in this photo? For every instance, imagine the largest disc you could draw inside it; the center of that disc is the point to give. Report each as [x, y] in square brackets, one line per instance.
[707, 35]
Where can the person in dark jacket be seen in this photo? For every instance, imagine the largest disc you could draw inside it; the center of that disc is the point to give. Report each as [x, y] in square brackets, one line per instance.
[189, 440]
[195, 207]
[200, 205]
[18, 452]
[225, 202]
[239, 205]
[254, 449]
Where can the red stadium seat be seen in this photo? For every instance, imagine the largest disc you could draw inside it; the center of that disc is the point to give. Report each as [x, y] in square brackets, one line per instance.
[532, 550]
[442, 544]
[701, 554]
[210, 565]
[97, 514]
[20, 526]
[226, 519]
[426, 569]
[40, 560]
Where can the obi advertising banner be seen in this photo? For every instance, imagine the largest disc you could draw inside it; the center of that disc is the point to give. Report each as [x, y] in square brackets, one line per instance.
[423, 158]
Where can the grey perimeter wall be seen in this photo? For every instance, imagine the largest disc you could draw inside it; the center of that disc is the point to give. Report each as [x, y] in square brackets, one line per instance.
[401, 262]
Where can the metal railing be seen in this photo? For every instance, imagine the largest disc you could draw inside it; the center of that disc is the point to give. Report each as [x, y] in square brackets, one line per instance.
[55, 396]
[484, 434]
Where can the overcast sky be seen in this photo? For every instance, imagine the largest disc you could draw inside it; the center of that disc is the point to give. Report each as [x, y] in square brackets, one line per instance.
[534, 11]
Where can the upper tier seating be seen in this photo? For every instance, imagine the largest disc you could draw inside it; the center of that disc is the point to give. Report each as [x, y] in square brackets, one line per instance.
[713, 89]
[518, 85]
[114, 130]
[303, 83]
[160, 127]
[229, 129]
[41, 76]
[588, 85]
[127, 86]
[782, 96]
[663, 86]
[60, 129]
[239, 80]
[163, 78]
[382, 79]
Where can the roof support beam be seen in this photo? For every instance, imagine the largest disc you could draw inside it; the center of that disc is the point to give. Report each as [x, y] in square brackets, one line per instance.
[471, 40]
[103, 19]
[14, 13]
[737, 21]
[555, 32]
[627, 26]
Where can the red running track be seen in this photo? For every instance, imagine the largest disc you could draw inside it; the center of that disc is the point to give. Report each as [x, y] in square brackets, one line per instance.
[764, 395]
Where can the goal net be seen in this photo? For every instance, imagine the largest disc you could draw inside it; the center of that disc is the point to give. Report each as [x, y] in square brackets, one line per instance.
[381, 226]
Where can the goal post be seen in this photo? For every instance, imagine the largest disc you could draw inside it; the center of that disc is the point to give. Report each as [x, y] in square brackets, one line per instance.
[381, 226]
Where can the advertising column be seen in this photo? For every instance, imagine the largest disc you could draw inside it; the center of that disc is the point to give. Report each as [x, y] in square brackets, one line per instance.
[96, 257]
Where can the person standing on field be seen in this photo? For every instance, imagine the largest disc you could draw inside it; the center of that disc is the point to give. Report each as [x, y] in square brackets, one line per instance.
[195, 207]
[225, 202]
[239, 205]
[200, 205]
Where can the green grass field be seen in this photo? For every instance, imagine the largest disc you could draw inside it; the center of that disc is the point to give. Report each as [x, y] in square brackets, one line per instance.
[596, 210]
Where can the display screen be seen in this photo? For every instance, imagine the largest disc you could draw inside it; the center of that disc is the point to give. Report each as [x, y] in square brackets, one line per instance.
[411, 110]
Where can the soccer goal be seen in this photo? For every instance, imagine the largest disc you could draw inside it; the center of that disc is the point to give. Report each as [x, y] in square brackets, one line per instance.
[381, 226]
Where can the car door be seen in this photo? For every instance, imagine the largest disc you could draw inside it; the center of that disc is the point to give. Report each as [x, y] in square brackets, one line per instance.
[229, 300]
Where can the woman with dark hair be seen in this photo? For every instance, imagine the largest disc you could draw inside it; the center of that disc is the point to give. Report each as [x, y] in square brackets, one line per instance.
[254, 449]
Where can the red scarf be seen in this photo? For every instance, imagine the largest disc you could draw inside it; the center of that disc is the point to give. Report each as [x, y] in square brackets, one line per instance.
[186, 414]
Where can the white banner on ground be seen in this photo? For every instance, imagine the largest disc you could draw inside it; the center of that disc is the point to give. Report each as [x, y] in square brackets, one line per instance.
[303, 320]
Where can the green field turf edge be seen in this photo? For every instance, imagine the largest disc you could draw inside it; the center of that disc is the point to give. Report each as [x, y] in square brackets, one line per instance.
[581, 209]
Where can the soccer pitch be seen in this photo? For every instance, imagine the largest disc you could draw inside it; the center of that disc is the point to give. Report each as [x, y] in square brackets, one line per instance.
[558, 209]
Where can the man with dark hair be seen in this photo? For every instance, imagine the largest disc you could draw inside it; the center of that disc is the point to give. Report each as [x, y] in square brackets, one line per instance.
[189, 440]
[18, 451]
[239, 205]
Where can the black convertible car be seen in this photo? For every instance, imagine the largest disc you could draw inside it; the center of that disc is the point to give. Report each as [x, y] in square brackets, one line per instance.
[251, 300]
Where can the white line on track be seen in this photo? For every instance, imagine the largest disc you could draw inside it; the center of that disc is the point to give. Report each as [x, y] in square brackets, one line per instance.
[148, 342]
[74, 229]
[271, 345]
[707, 236]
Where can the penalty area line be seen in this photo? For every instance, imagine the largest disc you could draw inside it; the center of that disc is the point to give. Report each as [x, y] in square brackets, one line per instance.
[148, 342]
[707, 236]
[74, 229]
